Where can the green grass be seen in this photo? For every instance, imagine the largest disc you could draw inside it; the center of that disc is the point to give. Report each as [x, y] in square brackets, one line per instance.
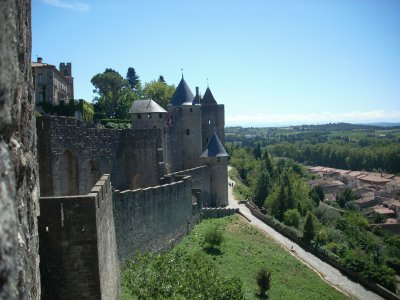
[245, 249]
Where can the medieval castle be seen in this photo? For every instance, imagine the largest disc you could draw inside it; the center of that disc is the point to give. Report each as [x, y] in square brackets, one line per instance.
[107, 193]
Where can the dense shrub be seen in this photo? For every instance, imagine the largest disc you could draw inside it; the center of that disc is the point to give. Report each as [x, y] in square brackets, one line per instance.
[213, 238]
[263, 279]
[292, 217]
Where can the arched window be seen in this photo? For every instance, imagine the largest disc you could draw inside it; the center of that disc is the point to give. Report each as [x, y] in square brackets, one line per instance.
[69, 174]
[94, 173]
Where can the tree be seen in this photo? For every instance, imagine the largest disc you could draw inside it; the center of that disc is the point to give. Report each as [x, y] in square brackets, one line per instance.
[281, 203]
[213, 238]
[133, 79]
[309, 228]
[159, 91]
[292, 217]
[111, 89]
[344, 197]
[317, 194]
[257, 151]
[267, 161]
[262, 186]
[263, 278]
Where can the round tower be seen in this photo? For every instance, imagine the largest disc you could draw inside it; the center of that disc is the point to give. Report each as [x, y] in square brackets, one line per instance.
[216, 159]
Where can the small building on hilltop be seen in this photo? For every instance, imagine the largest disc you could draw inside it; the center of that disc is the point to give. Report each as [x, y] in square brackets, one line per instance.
[50, 84]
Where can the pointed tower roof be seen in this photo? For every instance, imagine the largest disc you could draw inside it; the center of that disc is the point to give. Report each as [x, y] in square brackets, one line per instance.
[208, 98]
[145, 106]
[183, 95]
[214, 148]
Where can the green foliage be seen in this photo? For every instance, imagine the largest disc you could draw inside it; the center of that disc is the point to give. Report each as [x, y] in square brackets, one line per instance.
[343, 197]
[357, 260]
[261, 186]
[292, 217]
[263, 279]
[115, 96]
[133, 79]
[158, 91]
[178, 275]
[87, 111]
[317, 194]
[69, 109]
[326, 215]
[309, 228]
[213, 238]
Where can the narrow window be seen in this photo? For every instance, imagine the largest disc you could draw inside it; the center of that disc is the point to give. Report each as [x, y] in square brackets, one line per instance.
[187, 131]
[160, 116]
[139, 116]
[209, 121]
[191, 110]
[148, 116]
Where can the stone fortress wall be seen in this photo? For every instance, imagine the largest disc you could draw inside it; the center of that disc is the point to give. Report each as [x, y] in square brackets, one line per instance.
[154, 218]
[78, 247]
[161, 174]
[73, 155]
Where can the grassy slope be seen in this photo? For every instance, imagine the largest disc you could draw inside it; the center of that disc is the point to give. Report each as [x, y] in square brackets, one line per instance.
[245, 249]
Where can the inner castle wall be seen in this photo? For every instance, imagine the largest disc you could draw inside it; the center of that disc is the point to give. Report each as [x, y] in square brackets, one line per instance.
[72, 156]
[78, 247]
[154, 218]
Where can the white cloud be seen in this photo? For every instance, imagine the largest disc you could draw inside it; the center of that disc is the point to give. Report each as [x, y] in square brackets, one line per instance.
[78, 6]
[314, 118]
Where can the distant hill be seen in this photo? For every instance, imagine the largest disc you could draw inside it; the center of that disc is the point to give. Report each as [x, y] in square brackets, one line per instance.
[383, 124]
[330, 127]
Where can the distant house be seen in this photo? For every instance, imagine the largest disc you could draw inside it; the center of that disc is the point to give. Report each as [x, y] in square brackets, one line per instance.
[375, 180]
[328, 185]
[366, 202]
[52, 85]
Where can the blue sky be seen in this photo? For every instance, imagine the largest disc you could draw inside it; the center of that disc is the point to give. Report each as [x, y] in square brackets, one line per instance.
[269, 62]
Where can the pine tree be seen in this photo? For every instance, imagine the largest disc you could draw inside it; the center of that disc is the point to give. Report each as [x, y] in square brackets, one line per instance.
[261, 187]
[281, 203]
[309, 228]
[257, 151]
[133, 79]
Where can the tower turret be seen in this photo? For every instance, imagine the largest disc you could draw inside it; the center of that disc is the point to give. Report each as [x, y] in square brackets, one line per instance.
[216, 159]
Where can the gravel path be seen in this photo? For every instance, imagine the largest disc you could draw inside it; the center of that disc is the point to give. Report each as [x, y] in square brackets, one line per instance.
[326, 271]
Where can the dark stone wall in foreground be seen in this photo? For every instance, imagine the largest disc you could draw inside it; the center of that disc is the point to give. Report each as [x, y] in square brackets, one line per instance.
[19, 185]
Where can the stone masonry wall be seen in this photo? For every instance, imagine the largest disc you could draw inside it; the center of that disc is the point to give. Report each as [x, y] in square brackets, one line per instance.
[78, 246]
[152, 219]
[132, 158]
[19, 185]
[200, 180]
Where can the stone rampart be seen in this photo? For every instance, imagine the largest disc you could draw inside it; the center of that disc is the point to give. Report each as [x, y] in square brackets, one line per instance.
[78, 245]
[72, 155]
[152, 219]
[200, 181]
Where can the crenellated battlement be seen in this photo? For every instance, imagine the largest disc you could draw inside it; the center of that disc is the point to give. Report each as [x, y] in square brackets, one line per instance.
[148, 212]
[77, 240]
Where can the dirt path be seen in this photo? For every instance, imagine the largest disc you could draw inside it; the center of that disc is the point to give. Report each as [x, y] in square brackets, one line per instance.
[326, 271]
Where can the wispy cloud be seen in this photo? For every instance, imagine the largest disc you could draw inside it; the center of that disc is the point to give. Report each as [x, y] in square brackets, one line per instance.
[314, 118]
[78, 6]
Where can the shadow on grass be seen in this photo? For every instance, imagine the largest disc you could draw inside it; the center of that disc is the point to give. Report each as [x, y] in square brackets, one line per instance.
[259, 296]
[213, 251]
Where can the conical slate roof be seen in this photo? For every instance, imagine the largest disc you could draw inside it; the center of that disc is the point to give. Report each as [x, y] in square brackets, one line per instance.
[183, 95]
[214, 148]
[146, 106]
[208, 98]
